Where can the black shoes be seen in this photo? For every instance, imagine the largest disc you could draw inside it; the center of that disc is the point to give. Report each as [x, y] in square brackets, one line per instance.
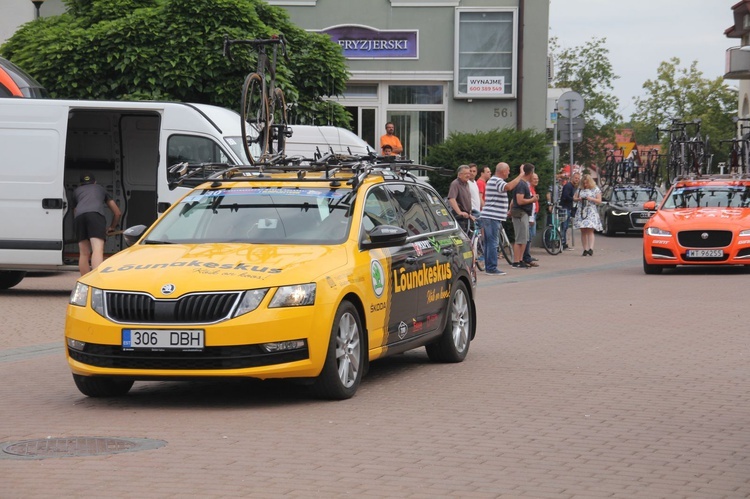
[589, 252]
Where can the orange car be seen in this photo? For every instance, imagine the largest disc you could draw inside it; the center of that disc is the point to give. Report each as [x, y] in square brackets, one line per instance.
[15, 82]
[701, 221]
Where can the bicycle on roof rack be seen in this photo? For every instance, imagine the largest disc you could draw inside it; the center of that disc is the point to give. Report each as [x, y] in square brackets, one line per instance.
[263, 106]
[739, 153]
[688, 155]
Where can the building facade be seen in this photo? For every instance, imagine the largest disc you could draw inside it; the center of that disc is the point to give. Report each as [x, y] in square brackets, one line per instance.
[738, 58]
[436, 66]
[431, 67]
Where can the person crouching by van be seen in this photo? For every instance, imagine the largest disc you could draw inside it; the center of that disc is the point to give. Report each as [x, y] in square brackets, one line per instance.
[90, 222]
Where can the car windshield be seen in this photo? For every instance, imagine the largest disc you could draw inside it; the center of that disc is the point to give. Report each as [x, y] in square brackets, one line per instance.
[265, 215]
[709, 196]
[636, 195]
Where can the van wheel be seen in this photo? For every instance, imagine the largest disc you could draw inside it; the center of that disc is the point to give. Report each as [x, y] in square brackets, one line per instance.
[102, 387]
[453, 344]
[344, 364]
[9, 278]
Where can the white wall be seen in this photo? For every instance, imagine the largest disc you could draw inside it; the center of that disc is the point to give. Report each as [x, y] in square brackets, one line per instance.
[14, 13]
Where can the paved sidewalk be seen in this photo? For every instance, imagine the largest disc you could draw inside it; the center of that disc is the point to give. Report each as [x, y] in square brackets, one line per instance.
[587, 379]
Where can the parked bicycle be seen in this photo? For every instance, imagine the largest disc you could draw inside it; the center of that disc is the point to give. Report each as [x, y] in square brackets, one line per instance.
[477, 244]
[552, 236]
[263, 106]
[505, 246]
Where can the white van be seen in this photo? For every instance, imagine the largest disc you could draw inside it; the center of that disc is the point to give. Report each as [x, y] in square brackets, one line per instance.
[46, 144]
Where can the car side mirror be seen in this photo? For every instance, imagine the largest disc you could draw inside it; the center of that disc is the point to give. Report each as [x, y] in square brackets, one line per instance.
[649, 205]
[133, 234]
[384, 236]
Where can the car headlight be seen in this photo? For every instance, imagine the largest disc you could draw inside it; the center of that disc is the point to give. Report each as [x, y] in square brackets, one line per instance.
[656, 231]
[80, 295]
[250, 301]
[619, 213]
[297, 295]
[745, 233]
[97, 301]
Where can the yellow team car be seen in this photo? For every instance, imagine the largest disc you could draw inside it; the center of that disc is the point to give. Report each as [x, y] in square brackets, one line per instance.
[311, 274]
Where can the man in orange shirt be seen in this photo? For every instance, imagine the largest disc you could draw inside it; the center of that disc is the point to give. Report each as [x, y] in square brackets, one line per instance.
[391, 140]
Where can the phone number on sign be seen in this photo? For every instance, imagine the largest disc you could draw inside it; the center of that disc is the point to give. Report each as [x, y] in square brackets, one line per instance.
[486, 88]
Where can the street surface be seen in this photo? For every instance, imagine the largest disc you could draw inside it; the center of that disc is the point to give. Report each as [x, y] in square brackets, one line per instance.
[587, 378]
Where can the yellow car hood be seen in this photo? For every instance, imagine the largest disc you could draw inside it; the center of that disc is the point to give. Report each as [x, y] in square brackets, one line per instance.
[214, 267]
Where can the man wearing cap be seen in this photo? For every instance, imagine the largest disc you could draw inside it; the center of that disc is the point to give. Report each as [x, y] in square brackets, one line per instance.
[90, 222]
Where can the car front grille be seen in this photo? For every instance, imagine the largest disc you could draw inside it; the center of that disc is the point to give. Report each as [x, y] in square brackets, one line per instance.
[225, 357]
[639, 218]
[704, 238]
[197, 308]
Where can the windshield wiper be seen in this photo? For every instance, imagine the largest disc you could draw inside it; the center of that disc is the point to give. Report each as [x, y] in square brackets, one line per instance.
[156, 241]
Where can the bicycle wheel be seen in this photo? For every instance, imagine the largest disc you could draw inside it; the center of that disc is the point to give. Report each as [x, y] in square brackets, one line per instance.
[478, 247]
[552, 240]
[277, 112]
[254, 116]
[506, 248]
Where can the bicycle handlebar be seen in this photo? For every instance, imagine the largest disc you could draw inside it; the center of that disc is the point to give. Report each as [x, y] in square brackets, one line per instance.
[255, 43]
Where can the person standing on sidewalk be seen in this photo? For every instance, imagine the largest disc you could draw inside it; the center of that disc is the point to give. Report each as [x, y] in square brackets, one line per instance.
[522, 209]
[566, 203]
[459, 197]
[494, 213]
[476, 195]
[90, 201]
[587, 214]
[527, 258]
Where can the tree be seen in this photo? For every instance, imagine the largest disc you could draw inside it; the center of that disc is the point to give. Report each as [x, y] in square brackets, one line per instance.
[684, 94]
[586, 69]
[488, 148]
[172, 50]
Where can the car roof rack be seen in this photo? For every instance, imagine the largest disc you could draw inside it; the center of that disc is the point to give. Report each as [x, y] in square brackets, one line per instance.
[353, 169]
[709, 177]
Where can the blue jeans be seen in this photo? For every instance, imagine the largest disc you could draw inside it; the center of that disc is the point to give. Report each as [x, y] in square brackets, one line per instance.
[564, 223]
[491, 242]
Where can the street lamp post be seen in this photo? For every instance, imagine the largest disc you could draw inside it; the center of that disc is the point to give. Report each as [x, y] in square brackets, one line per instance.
[38, 5]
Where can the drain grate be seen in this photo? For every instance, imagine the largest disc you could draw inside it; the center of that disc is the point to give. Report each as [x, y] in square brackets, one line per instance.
[44, 448]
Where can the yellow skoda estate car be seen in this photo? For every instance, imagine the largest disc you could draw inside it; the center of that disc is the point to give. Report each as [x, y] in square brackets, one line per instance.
[307, 274]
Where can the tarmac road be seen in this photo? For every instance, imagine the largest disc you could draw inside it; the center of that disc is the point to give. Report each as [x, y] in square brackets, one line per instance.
[587, 378]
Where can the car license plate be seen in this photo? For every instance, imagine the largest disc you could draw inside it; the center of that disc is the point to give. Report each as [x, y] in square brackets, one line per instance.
[163, 339]
[703, 253]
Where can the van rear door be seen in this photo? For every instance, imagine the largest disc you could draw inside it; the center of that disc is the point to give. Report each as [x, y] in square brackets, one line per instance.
[32, 196]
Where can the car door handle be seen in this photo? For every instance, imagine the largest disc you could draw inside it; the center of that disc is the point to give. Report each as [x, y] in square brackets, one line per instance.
[411, 260]
[52, 204]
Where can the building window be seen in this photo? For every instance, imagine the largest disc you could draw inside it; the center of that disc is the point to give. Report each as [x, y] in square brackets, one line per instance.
[485, 53]
[415, 94]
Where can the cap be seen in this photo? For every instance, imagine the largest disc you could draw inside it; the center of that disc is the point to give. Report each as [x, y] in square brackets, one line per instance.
[87, 178]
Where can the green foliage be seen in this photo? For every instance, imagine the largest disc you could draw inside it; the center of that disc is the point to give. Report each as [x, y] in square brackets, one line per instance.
[172, 50]
[586, 69]
[684, 94]
[490, 148]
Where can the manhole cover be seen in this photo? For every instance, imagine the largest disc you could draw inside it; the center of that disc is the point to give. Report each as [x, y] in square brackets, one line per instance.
[75, 447]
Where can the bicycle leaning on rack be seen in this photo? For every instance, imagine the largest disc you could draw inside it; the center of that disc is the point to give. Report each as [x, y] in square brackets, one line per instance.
[263, 107]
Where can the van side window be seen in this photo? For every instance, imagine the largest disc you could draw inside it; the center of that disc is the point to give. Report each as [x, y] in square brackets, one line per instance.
[192, 149]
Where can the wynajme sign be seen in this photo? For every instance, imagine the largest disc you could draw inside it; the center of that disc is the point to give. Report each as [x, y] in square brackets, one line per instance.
[364, 42]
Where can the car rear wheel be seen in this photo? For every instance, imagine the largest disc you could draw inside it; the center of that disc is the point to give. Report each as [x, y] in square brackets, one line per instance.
[9, 278]
[102, 387]
[651, 269]
[453, 344]
[344, 364]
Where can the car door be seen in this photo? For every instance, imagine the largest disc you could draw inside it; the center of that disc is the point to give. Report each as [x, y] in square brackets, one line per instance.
[426, 282]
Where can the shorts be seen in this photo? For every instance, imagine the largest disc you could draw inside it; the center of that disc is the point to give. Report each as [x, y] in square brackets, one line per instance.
[521, 228]
[90, 225]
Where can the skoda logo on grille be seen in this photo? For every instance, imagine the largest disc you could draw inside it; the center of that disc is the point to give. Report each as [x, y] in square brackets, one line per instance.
[704, 235]
[167, 289]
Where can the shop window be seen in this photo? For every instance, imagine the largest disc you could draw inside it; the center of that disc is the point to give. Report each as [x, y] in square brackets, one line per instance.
[485, 53]
[415, 94]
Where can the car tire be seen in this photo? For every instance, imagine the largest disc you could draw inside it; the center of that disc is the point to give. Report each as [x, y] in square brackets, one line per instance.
[453, 343]
[100, 387]
[9, 278]
[608, 229]
[651, 269]
[345, 360]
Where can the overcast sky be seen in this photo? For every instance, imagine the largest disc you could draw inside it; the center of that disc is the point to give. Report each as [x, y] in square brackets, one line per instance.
[643, 33]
